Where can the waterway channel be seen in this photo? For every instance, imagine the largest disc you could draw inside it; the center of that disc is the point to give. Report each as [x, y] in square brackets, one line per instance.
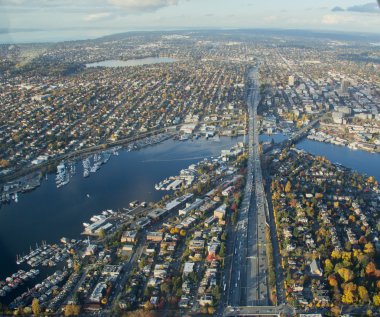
[49, 213]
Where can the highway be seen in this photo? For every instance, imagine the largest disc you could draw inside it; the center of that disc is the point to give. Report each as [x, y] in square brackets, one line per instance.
[246, 276]
[257, 264]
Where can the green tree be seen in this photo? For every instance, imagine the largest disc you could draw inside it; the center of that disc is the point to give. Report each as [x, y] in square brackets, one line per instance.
[329, 267]
[102, 234]
[222, 251]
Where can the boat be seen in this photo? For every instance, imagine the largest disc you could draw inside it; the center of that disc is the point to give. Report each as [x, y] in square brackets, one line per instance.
[62, 177]
[85, 224]
[86, 167]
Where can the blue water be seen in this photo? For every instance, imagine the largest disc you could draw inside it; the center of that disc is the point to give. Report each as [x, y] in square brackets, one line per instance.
[278, 137]
[48, 213]
[132, 62]
[361, 161]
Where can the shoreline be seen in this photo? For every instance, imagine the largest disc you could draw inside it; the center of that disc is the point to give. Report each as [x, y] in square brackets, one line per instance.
[75, 155]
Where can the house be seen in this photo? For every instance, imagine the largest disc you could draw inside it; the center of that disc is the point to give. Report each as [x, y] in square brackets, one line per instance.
[213, 248]
[112, 270]
[150, 248]
[228, 191]
[188, 268]
[129, 236]
[206, 300]
[196, 245]
[91, 249]
[157, 214]
[160, 270]
[191, 207]
[209, 221]
[97, 294]
[184, 302]
[315, 268]
[154, 236]
[220, 212]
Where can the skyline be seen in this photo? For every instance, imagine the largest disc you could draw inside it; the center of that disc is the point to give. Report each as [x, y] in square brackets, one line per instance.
[103, 17]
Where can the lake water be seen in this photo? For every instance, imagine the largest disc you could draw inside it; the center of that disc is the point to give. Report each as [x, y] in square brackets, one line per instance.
[278, 137]
[49, 213]
[132, 62]
[361, 161]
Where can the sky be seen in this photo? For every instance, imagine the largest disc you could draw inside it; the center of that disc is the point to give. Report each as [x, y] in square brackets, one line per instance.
[100, 17]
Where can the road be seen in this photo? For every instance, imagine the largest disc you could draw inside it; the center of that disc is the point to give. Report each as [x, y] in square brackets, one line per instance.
[246, 261]
[257, 264]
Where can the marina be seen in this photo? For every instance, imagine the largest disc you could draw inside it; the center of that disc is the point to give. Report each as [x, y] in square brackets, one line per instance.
[126, 177]
[17, 279]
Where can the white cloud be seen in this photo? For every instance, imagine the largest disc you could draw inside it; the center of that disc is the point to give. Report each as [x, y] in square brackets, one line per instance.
[143, 5]
[97, 16]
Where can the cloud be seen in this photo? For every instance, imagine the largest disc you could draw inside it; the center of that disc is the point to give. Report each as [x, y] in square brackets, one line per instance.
[128, 5]
[97, 16]
[143, 5]
[337, 9]
[371, 7]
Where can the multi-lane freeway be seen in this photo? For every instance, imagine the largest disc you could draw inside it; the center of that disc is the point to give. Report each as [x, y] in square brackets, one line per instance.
[246, 280]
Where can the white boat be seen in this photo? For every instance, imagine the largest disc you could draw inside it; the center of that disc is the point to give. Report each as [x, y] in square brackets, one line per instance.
[85, 224]
[86, 167]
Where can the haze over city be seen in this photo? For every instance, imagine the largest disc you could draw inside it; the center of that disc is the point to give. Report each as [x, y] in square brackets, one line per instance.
[101, 17]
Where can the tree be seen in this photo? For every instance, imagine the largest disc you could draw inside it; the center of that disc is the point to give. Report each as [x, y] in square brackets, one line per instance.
[288, 187]
[148, 305]
[370, 269]
[182, 233]
[102, 234]
[348, 293]
[363, 294]
[216, 292]
[346, 274]
[336, 254]
[234, 218]
[72, 310]
[76, 266]
[222, 251]
[165, 288]
[328, 266]
[36, 306]
[332, 281]
[211, 310]
[369, 248]
[376, 300]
